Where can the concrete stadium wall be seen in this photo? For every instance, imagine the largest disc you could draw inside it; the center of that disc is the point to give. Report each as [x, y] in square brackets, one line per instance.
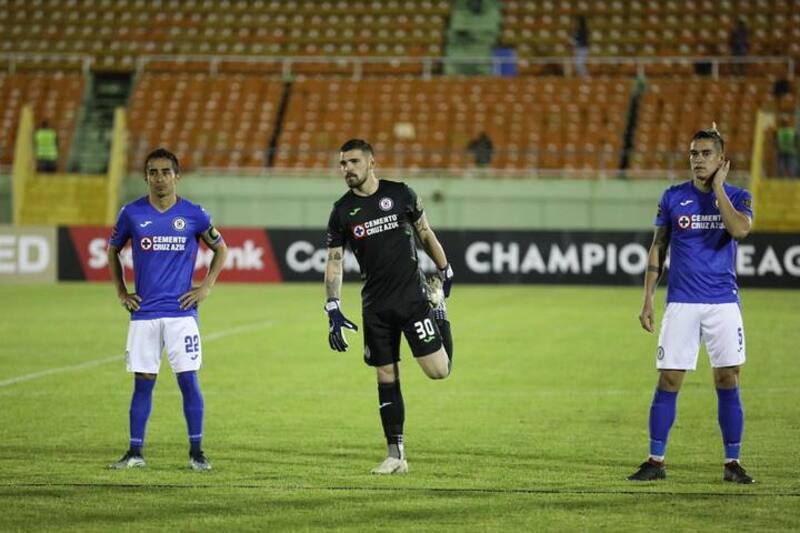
[450, 203]
[287, 202]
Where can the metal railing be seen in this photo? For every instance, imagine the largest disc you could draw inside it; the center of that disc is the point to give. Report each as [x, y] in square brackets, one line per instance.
[357, 67]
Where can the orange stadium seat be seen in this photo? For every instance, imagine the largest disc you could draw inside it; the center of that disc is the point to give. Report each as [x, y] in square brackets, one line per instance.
[652, 28]
[220, 121]
[428, 123]
[672, 110]
[54, 96]
[115, 33]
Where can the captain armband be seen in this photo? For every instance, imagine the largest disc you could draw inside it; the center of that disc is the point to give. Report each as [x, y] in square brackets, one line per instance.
[214, 236]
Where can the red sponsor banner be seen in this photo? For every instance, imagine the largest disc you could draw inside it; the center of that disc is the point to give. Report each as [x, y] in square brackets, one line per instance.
[250, 256]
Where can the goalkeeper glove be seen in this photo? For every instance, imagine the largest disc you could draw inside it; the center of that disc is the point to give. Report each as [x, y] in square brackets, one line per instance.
[446, 275]
[337, 321]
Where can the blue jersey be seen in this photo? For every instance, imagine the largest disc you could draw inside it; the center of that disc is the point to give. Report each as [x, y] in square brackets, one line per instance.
[702, 266]
[164, 247]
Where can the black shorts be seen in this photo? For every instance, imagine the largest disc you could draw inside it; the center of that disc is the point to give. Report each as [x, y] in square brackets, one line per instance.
[382, 333]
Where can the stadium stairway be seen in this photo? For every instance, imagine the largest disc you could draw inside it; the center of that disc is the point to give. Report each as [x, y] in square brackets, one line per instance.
[66, 199]
[91, 149]
[474, 30]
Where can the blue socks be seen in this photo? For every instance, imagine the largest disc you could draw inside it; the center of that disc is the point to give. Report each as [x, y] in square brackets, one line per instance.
[662, 415]
[141, 405]
[731, 421]
[192, 408]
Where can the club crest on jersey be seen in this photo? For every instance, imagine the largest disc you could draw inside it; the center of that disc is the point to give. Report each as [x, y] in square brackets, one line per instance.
[386, 204]
[684, 221]
[146, 243]
[178, 223]
[359, 232]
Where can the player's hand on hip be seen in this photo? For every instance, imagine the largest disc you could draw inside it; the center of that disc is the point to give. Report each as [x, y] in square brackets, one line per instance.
[130, 301]
[336, 322]
[446, 274]
[647, 316]
[194, 296]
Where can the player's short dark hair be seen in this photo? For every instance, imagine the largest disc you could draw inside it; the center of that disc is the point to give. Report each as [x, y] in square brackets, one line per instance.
[163, 153]
[713, 135]
[357, 144]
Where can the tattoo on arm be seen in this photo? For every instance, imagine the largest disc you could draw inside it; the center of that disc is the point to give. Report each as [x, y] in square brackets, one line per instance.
[422, 227]
[333, 274]
[661, 243]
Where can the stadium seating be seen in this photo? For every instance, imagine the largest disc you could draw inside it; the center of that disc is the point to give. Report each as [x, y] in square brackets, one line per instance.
[672, 110]
[116, 33]
[55, 96]
[533, 123]
[224, 114]
[213, 121]
[651, 27]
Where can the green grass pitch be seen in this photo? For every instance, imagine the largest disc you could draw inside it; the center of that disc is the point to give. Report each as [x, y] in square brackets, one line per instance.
[544, 416]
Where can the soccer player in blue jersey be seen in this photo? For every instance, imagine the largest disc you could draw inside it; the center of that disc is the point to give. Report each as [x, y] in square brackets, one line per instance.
[164, 230]
[700, 221]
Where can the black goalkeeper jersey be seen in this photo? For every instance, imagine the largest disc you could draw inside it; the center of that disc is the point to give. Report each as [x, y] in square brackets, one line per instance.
[379, 230]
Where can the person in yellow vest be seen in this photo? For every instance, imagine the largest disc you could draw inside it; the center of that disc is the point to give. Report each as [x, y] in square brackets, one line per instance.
[46, 146]
[786, 144]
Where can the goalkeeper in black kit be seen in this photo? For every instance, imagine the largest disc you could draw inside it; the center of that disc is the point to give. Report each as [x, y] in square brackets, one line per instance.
[380, 220]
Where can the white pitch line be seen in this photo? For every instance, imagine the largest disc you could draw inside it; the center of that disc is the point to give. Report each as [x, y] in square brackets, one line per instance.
[103, 360]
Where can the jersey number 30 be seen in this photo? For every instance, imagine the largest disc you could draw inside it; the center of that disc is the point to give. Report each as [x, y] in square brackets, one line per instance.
[424, 328]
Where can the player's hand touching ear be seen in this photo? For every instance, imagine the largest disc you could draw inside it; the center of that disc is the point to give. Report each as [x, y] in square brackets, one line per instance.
[721, 174]
[193, 297]
[337, 321]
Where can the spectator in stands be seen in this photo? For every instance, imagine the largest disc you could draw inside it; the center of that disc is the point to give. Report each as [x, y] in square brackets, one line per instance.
[46, 147]
[580, 40]
[786, 147]
[739, 44]
[482, 149]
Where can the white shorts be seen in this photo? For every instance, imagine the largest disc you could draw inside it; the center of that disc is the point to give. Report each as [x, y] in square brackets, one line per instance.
[719, 326]
[147, 339]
